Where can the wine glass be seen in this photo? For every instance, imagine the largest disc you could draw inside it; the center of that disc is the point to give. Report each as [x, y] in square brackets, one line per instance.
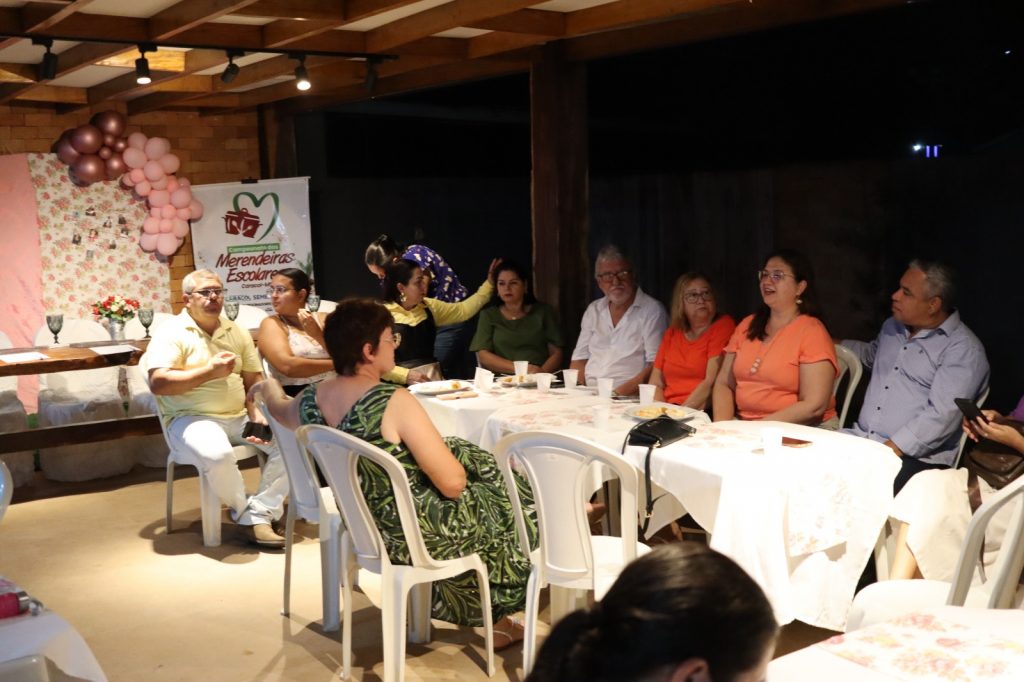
[146, 318]
[55, 322]
[231, 311]
[313, 303]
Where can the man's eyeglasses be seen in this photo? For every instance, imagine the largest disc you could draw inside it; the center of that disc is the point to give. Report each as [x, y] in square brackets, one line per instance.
[607, 277]
[698, 296]
[774, 275]
[209, 293]
[280, 291]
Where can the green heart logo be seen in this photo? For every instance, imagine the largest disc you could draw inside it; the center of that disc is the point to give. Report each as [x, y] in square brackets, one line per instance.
[256, 204]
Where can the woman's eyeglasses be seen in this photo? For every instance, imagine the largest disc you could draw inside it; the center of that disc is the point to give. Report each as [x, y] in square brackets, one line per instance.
[774, 275]
[698, 296]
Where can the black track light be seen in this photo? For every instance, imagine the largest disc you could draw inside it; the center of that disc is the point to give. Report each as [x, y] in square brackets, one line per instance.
[48, 66]
[370, 83]
[142, 76]
[232, 69]
[301, 75]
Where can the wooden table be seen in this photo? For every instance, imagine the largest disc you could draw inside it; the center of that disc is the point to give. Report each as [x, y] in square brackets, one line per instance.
[69, 358]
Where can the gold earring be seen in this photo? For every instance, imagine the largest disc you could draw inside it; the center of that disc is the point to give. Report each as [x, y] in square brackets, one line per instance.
[402, 297]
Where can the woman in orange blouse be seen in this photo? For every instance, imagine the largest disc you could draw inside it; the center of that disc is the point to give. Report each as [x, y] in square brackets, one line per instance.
[780, 363]
[691, 350]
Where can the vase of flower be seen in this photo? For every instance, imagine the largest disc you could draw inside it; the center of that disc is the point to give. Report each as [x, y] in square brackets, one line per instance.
[115, 310]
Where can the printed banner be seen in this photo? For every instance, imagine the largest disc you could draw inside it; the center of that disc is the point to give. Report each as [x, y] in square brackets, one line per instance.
[249, 231]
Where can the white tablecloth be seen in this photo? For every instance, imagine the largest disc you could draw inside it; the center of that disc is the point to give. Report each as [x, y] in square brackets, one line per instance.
[53, 637]
[802, 523]
[947, 643]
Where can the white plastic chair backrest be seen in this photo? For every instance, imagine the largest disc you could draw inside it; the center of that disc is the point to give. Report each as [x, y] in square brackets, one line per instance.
[1005, 573]
[963, 436]
[133, 329]
[556, 465]
[850, 364]
[6, 488]
[327, 306]
[337, 453]
[249, 316]
[82, 383]
[304, 491]
[7, 383]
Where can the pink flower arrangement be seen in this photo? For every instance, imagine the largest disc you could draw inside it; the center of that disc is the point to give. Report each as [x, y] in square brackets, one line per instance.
[116, 308]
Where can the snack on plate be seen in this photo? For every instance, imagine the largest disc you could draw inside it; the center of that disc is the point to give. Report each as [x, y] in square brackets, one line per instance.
[658, 410]
[458, 384]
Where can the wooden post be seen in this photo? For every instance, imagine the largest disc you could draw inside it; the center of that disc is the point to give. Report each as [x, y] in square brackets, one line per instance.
[560, 186]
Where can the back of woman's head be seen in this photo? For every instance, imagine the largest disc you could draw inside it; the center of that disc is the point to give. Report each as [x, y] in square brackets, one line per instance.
[682, 601]
[354, 323]
[299, 279]
[382, 251]
[397, 272]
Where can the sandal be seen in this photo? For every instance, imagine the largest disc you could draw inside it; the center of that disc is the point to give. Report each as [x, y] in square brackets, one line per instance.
[512, 633]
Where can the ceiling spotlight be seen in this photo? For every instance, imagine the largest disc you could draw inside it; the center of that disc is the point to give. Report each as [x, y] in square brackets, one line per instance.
[301, 75]
[232, 69]
[370, 82]
[48, 66]
[142, 76]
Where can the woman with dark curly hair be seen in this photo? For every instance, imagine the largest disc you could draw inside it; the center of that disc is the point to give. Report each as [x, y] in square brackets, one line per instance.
[683, 612]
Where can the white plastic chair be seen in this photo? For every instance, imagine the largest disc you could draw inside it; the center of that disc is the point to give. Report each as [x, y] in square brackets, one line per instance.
[14, 418]
[133, 329]
[337, 454]
[568, 557]
[81, 396]
[892, 598]
[6, 488]
[327, 306]
[209, 503]
[850, 364]
[963, 436]
[308, 501]
[148, 450]
[249, 316]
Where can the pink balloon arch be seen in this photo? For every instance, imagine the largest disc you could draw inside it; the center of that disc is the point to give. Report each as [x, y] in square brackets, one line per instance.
[96, 151]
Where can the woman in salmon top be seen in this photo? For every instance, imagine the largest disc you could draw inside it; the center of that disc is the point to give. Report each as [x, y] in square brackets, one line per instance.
[780, 363]
[690, 354]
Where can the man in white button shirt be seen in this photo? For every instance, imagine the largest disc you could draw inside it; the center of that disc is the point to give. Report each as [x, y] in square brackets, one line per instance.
[620, 332]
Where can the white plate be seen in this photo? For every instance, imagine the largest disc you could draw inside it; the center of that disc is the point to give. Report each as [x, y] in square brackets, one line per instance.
[656, 410]
[526, 381]
[440, 387]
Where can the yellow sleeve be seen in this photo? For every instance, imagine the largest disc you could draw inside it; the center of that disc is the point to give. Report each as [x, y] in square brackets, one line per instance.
[450, 313]
[398, 375]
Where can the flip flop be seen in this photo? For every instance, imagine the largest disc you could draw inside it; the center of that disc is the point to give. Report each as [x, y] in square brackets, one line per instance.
[512, 635]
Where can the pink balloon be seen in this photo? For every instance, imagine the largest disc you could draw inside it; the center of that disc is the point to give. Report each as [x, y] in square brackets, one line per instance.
[184, 213]
[170, 162]
[167, 211]
[153, 170]
[181, 198]
[157, 147]
[197, 209]
[126, 181]
[172, 184]
[166, 224]
[137, 141]
[147, 241]
[134, 158]
[166, 244]
[156, 212]
[151, 225]
[179, 229]
[136, 174]
[158, 198]
[161, 183]
[143, 188]
[184, 182]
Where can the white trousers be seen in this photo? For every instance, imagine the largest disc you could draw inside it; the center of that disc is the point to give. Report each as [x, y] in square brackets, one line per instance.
[211, 440]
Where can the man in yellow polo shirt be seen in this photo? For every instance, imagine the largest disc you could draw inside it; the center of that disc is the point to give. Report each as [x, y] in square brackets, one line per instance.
[200, 367]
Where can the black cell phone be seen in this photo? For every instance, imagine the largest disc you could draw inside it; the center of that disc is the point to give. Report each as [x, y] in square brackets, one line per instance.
[261, 431]
[970, 409]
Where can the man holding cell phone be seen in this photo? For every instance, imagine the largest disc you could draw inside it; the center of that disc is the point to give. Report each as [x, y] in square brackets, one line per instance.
[923, 358]
[200, 368]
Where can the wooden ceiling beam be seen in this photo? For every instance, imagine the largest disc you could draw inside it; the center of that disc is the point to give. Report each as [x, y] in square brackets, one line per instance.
[333, 41]
[284, 31]
[188, 14]
[494, 44]
[529, 21]
[37, 17]
[300, 10]
[123, 85]
[26, 71]
[441, 18]
[52, 94]
[100, 27]
[625, 13]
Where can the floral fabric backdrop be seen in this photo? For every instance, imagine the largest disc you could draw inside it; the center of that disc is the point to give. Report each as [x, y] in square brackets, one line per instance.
[89, 243]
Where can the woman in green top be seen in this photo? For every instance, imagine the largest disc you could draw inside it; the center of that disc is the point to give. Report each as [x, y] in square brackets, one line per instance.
[518, 327]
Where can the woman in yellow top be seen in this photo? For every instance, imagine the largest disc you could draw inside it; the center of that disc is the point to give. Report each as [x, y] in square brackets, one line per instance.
[417, 316]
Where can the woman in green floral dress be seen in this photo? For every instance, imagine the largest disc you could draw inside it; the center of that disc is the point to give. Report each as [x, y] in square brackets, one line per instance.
[458, 490]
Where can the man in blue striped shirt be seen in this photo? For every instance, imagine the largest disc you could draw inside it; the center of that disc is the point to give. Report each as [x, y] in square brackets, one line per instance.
[923, 358]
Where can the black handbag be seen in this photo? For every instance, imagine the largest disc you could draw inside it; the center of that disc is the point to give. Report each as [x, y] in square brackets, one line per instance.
[654, 433]
[995, 463]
